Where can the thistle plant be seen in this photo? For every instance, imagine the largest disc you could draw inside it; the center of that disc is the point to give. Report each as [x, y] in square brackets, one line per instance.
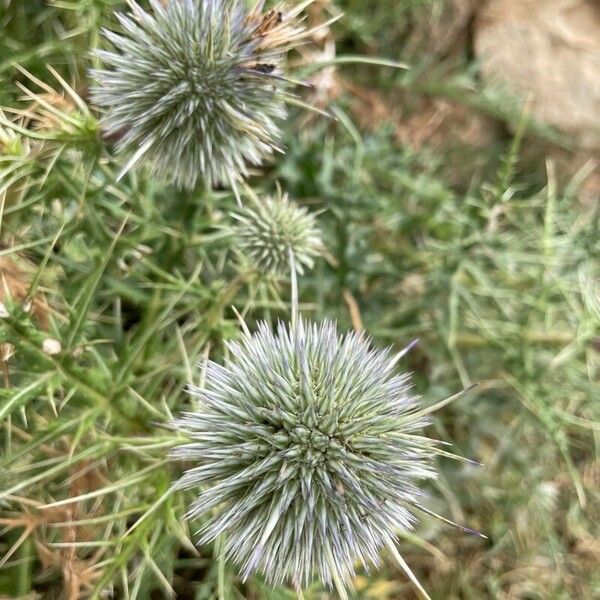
[270, 230]
[196, 88]
[308, 452]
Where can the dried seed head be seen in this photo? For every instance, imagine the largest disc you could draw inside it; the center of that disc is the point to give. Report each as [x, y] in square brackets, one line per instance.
[16, 274]
[308, 453]
[196, 87]
[15, 151]
[267, 232]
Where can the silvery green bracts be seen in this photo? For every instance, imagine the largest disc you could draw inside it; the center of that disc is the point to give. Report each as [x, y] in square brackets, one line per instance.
[195, 88]
[308, 453]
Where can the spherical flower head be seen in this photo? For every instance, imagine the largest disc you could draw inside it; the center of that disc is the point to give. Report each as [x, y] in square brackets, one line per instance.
[196, 87]
[270, 230]
[309, 453]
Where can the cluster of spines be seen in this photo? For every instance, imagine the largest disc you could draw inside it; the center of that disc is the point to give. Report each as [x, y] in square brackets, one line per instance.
[308, 448]
[271, 230]
[196, 88]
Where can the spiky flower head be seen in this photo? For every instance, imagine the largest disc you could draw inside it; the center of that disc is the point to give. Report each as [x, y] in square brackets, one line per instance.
[309, 453]
[269, 230]
[196, 87]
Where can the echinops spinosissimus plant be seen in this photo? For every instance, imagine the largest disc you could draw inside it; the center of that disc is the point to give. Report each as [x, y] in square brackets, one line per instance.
[196, 88]
[309, 454]
[267, 230]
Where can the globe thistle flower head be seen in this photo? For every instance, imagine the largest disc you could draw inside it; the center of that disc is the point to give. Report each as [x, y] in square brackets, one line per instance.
[196, 88]
[308, 452]
[269, 231]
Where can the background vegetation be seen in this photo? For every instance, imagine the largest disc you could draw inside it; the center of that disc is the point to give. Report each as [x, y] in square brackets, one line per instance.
[473, 243]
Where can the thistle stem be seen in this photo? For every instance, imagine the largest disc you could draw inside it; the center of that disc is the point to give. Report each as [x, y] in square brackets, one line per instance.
[295, 308]
[220, 569]
[6, 374]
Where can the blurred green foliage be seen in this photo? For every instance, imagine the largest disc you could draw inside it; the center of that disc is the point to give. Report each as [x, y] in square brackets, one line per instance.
[492, 263]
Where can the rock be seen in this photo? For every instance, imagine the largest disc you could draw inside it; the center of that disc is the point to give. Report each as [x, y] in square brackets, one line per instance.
[549, 50]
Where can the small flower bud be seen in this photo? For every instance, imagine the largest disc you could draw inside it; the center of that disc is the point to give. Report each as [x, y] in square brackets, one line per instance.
[51, 346]
[267, 232]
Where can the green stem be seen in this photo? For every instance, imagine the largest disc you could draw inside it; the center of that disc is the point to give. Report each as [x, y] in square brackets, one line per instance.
[25, 567]
[220, 569]
[295, 309]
